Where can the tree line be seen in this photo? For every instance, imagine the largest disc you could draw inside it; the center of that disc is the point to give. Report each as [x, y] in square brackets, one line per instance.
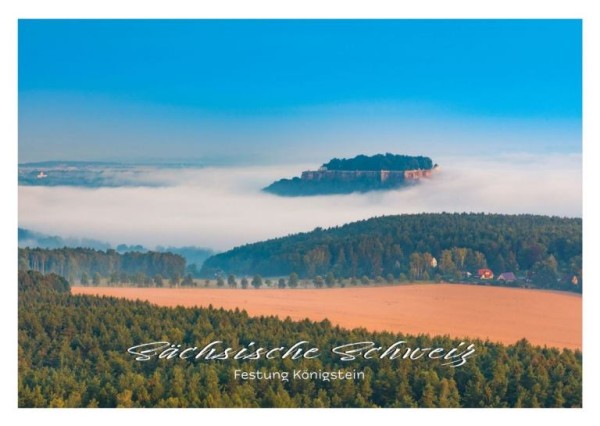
[89, 266]
[541, 251]
[73, 353]
[380, 162]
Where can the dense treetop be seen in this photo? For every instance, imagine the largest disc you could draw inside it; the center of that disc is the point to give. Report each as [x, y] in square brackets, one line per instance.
[380, 162]
[73, 353]
[543, 251]
[35, 281]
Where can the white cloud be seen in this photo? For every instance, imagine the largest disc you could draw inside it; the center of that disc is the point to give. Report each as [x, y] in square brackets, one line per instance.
[224, 207]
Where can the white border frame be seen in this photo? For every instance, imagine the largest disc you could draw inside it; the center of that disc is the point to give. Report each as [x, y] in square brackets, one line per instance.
[10, 13]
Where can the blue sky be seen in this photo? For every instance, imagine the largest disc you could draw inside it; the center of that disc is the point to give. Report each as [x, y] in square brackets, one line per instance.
[265, 90]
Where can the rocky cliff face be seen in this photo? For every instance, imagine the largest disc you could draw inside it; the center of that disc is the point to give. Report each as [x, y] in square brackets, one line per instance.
[417, 174]
[381, 176]
[340, 181]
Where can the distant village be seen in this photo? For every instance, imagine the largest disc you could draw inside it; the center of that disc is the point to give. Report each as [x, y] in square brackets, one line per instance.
[486, 274]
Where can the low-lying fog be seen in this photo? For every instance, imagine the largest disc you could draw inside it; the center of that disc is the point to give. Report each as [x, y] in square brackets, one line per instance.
[223, 207]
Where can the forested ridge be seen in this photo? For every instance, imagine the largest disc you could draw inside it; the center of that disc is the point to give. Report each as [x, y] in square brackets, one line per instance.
[73, 353]
[541, 251]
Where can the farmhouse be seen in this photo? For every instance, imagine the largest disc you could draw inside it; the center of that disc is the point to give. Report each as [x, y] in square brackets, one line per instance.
[485, 274]
[507, 277]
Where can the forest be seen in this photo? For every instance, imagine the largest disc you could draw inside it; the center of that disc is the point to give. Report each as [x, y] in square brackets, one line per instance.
[539, 251]
[89, 266]
[380, 162]
[73, 353]
[194, 256]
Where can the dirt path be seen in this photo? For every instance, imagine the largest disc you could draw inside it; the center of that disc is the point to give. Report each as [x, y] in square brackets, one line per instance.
[500, 314]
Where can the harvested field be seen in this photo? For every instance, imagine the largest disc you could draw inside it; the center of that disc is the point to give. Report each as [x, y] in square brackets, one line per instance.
[495, 313]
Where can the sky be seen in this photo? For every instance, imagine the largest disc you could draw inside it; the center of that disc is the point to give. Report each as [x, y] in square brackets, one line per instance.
[497, 103]
[255, 91]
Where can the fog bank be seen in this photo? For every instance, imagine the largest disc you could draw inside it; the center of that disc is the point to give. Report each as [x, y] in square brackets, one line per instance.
[224, 207]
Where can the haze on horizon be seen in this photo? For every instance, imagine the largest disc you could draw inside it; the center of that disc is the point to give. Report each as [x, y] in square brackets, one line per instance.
[223, 207]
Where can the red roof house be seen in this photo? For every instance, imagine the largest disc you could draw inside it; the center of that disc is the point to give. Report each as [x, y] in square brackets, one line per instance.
[485, 274]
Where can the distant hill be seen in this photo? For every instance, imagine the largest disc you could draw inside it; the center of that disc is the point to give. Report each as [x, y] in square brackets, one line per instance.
[540, 251]
[358, 174]
[28, 238]
[98, 174]
[58, 164]
[70, 173]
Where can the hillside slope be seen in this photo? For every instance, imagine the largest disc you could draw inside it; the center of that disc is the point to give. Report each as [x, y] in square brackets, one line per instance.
[541, 249]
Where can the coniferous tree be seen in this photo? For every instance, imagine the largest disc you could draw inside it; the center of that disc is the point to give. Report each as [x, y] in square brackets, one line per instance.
[84, 328]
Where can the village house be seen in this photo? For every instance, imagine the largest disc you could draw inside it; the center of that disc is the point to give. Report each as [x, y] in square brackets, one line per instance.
[485, 274]
[507, 277]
